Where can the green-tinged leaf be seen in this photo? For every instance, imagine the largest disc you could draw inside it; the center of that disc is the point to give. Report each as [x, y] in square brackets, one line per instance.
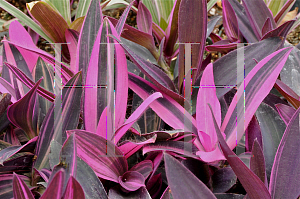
[54, 153]
[82, 8]
[195, 189]
[152, 6]
[211, 4]
[63, 6]
[24, 18]
[144, 19]
[50, 21]
[276, 5]
[90, 183]
[20, 189]
[21, 112]
[54, 127]
[272, 128]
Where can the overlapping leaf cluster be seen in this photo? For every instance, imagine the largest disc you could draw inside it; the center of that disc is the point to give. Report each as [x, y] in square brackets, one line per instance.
[64, 122]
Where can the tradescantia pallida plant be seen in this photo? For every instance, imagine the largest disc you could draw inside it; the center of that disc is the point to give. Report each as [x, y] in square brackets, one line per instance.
[73, 140]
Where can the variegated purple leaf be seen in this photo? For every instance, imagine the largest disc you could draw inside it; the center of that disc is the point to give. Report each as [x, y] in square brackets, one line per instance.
[55, 187]
[22, 164]
[122, 20]
[286, 160]
[10, 135]
[154, 185]
[6, 87]
[221, 74]
[118, 194]
[54, 127]
[54, 154]
[257, 162]
[257, 17]
[158, 32]
[20, 189]
[21, 112]
[145, 168]
[102, 155]
[223, 179]
[253, 132]
[230, 22]
[192, 18]
[223, 46]
[288, 93]
[144, 19]
[87, 37]
[73, 190]
[284, 10]
[132, 180]
[12, 150]
[29, 83]
[85, 175]
[281, 31]
[195, 189]
[6, 185]
[266, 27]
[286, 112]
[72, 40]
[257, 85]
[135, 115]
[252, 184]
[166, 108]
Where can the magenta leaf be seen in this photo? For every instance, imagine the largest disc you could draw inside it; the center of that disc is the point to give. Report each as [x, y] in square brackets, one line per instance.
[175, 171]
[102, 155]
[257, 85]
[144, 19]
[132, 180]
[73, 190]
[21, 112]
[286, 160]
[72, 40]
[252, 184]
[87, 37]
[286, 112]
[20, 189]
[6, 185]
[55, 187]
[145, 168]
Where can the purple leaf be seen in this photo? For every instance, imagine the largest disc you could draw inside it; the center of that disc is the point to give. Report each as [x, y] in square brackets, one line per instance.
[223, 179]
[135, 115]
[166, 108]
[288, 93]
[29, 83]
[73, 190]
[154, 185]
[55, 188]
[281, 31]
[144, 19]
[72, 40]
[284, 10]
[207, 94]
[145, 168]
[122, 20]
[285, 170]
[230, 22]
[252, 184]
[266, 27]
[257, 85]
[102, 155]
[87, 37]
[167, 194]
[22, 164]
[192, 26]
[222, 46]
[257, 162]
[253, 132]
[141, 193]
[257, 17]
[6, 185]
[158, 32]
[21, 112]
[6, 87]
[132, 180]
[10, 135]
[175, 171]
[285, 112]
[20, 189]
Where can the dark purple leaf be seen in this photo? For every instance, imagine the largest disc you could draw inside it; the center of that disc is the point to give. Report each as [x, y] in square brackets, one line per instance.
[285, 112]
[288, 93]
[132, 180]
[257, 162]
[284, 182]
[21, 164]
[154, 185]
[72, 40]
[144, 19]
[223, 179]
[6, 185]
[141, 193]
[90, 183]
[252, 184]
[178, 175]
[10, 136]
[12, 150]
[267, 26]
[212, 23]
[145, 168]
[284, 10]
[73, 190]
[20, 189]
[257, 17]
[253, 132]
[222, 46]
[55, 187]
[281, 31]
[229, 196]
[230, 22]
[102, 155]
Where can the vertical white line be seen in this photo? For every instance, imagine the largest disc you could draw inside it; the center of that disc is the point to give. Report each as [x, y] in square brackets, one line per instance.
[57, 92]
